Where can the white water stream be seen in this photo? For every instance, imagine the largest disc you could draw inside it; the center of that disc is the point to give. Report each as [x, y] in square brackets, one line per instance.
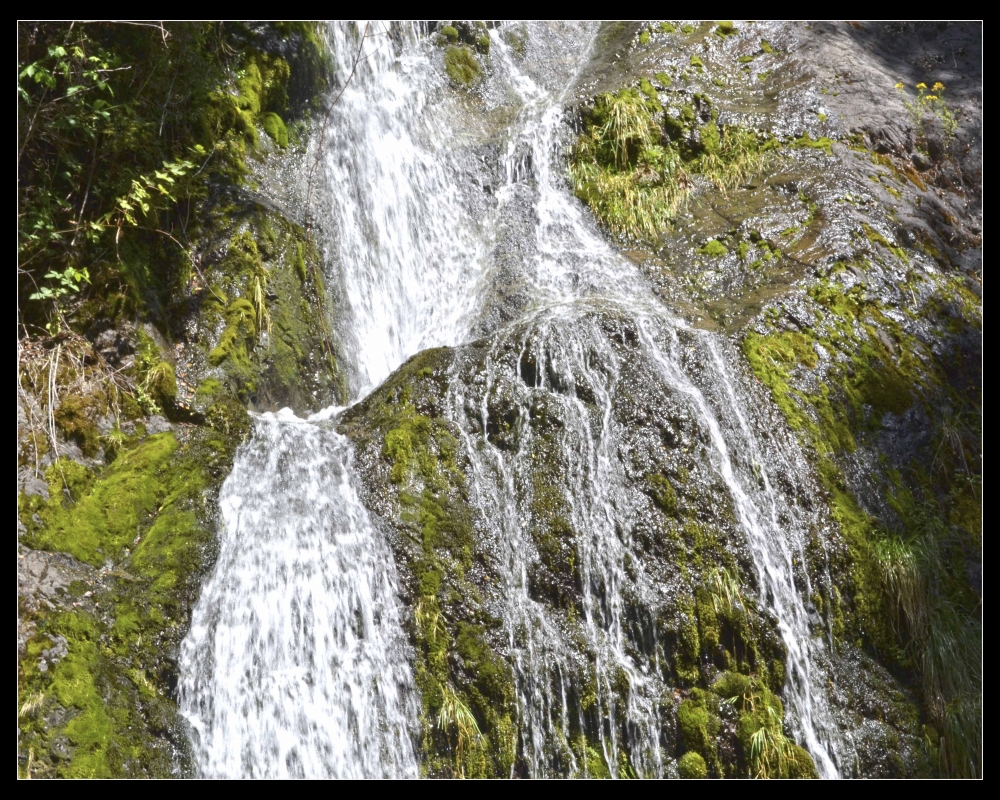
[296, 664]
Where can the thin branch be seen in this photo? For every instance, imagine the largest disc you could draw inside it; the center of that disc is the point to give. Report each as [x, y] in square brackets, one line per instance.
[158, 25]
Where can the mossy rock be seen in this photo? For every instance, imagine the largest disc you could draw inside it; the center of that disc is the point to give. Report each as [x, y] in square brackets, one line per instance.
[713, 248]
[274, 126]
[75, 419]
[461, 65]
[663, 492]
[692, 765]
[699, 724]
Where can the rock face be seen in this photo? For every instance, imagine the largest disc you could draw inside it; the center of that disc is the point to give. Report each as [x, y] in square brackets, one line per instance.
[576, 491]
[681, 471]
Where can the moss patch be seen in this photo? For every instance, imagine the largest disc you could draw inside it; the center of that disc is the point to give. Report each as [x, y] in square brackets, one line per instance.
[468, 706]
[461, 65]
[105, 708]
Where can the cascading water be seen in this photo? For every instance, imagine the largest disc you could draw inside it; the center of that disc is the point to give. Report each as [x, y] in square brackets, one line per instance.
[403, 244]
[296, 663]
[572, 267]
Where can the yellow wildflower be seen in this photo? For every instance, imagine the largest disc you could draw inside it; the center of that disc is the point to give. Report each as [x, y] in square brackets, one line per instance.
[938, 87]
[931, 97]
[921, 85]
[899, 85]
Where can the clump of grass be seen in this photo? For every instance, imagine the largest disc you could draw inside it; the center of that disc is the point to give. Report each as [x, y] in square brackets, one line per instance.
[727, 597]
[634, 163]
[767, 751]
[620, 170]
[945, 639]
[455, 715]
[740, 155]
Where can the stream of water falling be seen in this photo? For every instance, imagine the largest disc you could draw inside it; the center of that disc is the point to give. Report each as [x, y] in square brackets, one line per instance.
[296, 664]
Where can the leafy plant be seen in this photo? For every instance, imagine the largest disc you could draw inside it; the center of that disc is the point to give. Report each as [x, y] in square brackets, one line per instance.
[929, 103]
[122, 127]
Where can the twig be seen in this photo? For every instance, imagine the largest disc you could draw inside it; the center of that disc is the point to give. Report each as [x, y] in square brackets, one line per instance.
[158, 25]
[166, 102]
[31, 126]
[53, 395]
[185, 251]
[86, 194]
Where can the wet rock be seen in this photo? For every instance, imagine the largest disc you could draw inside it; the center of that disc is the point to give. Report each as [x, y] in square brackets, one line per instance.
[52, 655]
[157, 424]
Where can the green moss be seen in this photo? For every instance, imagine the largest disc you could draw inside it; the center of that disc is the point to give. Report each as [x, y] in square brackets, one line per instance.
[766, 46]
[875, 237]
[745, 59]
[824, 143]
[106, 514]
[274, 126]
[697, 63]
[688, 652]
[644, 37]
[699, 724]
[450, 33]
[94, 730]
[461, 65]
[726, 28]
[692, 765]
[663, 492]
[713, 248]
[591, 757]
[667, 27]
[75, 419]
[687, 29]
[646, 87]
[709, 138]
[663, 79]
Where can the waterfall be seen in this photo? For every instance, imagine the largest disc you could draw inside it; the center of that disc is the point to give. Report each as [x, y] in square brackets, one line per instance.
[296, 663]
[404, 246]
[576, 274]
